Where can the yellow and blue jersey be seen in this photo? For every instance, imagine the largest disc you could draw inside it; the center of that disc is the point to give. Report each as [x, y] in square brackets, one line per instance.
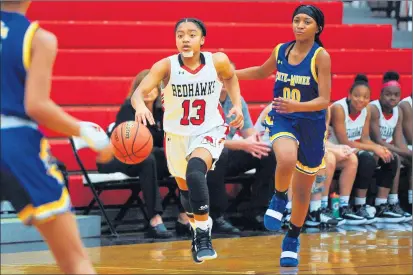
[16, 38]
[297, 82]
[32, 181]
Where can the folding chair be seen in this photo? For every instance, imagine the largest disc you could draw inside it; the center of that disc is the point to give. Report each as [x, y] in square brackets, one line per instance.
[99, 182]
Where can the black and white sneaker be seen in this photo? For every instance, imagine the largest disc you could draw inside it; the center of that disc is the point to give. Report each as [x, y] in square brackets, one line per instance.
[203, 245]
[350, 217]
[321, 216]
[193, 251]
[327, 217]
[313, 219]
[361, 211]
[397, 209]
[385, 214]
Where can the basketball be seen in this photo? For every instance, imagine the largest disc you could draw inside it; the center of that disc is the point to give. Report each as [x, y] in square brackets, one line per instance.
[132, 142]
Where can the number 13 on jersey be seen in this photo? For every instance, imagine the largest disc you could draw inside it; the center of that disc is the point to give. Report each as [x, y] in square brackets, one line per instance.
[293, 94]
[199, 118]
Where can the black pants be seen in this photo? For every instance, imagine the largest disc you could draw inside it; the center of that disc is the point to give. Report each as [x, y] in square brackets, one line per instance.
[148, 173]
[263, 187]
[232, 163]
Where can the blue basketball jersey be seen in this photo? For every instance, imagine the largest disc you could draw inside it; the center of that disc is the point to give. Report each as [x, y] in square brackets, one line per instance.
[297, 82]
[16, 37]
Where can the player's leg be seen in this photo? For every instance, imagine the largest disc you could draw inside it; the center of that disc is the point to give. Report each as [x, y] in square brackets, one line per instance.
[385, 179]
[63, 239]
[319, 214]
[184, 197]
[285, 145]
[364, 179]
[200, 161]
[348, 168]
[175, 153]
[311, 135]
[43, 200]
[393, 196]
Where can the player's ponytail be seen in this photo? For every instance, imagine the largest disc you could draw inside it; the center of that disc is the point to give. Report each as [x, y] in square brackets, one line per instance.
[318, 16]
[360, 80]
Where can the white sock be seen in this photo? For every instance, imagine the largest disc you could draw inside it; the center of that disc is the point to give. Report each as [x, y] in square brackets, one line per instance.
[204, 225]
[315, 205]
[410, 196]
[380, 201]
[360, 201]
[288, 205]
[344, 201]
[192, 225]
[324, 201]
[393, 198]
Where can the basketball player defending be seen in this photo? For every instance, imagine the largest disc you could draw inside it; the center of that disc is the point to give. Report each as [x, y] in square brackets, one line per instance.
[194, 127]
[29, 180]
[297, 122]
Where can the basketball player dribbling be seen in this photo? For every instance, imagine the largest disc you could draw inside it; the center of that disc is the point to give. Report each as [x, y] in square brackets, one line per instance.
[194, 127]
[298, 128]
[29, 180]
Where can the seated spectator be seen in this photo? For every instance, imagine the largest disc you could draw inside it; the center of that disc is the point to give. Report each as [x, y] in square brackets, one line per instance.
[350, 121]
[341, 157]
[407, 125]
[386, 130]
[247, 152]
[148, 171]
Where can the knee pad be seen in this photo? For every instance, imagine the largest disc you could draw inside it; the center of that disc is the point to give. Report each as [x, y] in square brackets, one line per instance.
[197, 186]
[365, 170]
[387, 172]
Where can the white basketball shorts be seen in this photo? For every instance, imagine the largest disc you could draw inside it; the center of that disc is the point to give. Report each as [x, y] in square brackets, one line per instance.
[178, 148]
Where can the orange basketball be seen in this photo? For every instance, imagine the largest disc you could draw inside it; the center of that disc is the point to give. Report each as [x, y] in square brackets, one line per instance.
[132, 142]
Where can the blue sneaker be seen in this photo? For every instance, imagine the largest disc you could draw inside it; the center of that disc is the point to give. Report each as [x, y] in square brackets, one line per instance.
[289, 254]
[274, 213]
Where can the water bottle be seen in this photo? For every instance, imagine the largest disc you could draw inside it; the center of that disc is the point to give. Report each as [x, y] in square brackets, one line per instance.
[335, 205]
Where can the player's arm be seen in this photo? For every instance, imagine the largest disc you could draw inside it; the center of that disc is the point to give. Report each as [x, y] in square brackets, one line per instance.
[38, 103]
[407, 123]
[158, 72]
[42, 109]
[400, 146]
[259, 72]
[323, 65]
[227, 74]
[375, 130]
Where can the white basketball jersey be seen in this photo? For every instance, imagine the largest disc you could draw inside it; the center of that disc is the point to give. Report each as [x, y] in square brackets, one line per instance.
[191, 99]
[407, 99]
[354, 126]
[387, 126]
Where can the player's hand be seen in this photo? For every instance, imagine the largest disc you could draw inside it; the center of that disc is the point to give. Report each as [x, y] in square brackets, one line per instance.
[284, 105]
[255, 146]
[383, 153]
[143, 114]
[105, 155]
[238, 121]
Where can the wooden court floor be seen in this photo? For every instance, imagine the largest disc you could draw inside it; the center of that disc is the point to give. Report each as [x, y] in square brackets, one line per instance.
[380, 252]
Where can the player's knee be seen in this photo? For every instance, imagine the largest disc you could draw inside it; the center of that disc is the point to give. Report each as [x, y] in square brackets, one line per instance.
[197, 186]
[286, 160]
[195, 171]
[353, 161]
[367, 164]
